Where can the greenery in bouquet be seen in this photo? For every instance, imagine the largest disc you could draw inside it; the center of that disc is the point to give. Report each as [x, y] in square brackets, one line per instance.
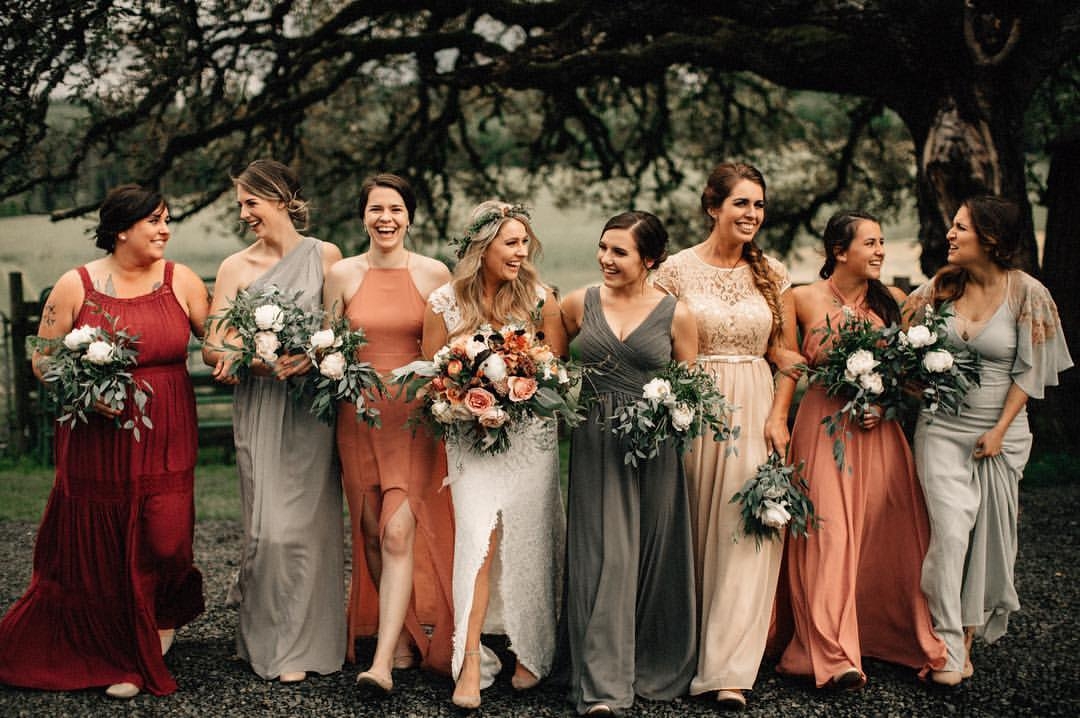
[863, 368]
[339, 376]
[480, 385]
[937, 372]
[268, 324]
[775, 498]
[91, 364]
[680, 403]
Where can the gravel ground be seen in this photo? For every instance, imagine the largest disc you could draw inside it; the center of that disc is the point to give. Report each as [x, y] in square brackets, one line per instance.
[1031, 672]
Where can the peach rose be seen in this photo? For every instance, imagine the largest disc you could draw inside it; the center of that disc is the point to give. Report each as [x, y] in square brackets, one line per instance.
[493, 418]
[522, 388]
[479, 400]
[454, 367]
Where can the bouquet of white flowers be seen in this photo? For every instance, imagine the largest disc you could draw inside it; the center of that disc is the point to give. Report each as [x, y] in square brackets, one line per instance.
[678, 402]
[940, 373]
[268, 324]
[91, 364]
[483, 383]
[773, 498]
[860, 368]
[340, 376]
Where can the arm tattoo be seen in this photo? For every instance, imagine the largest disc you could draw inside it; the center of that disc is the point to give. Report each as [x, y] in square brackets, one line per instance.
[48, 317]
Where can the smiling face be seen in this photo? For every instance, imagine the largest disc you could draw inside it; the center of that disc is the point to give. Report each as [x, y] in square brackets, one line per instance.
[865, 254]
[386, 218]
[965, 248]
[501, 260]
[741, 213]
[619, 258]
[148, 236]
[264, 217]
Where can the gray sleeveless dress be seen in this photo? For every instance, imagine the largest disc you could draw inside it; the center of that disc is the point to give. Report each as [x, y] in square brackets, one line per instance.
[290, 588]
[630, 610]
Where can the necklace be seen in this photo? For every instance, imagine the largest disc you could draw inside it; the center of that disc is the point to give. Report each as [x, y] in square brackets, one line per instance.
[968, 327]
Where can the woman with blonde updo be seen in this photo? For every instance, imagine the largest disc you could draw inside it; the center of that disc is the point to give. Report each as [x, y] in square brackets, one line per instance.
[508, 513]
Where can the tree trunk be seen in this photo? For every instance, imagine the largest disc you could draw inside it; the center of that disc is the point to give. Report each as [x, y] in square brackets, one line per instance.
[1059, 414]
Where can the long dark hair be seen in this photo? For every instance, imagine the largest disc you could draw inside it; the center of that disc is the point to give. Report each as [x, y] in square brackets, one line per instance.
[648, 232]
[996, 222]
[721, 182]
[839, 234]
[122, 207]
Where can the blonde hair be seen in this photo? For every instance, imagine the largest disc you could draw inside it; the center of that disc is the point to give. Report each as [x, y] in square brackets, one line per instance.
[271, 180]
[515, 300]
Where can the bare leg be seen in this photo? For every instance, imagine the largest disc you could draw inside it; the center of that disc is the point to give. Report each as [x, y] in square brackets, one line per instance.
[467, 687]
[395, 587]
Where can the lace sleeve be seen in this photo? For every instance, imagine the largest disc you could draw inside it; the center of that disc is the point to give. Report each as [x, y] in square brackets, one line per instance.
[780, 274]
[443, 302]
[666, 276]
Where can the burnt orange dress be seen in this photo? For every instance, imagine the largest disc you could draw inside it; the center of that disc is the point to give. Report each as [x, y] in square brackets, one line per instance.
[387, 466]
[854, 582]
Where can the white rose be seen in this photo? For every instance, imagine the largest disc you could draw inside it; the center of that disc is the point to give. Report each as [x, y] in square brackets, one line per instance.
[657, 389]
[78, 338]
[333, 366]
[269, 317]
[474, 347]
[323, 339]
[938, 361]
[773, 514]
[99, 352]
[682, 415]
[266, 346]
[441, 356]
[442, 412]
[872, 382]
[920, 336]
[494, 368]
[861, 362]
[564, 377]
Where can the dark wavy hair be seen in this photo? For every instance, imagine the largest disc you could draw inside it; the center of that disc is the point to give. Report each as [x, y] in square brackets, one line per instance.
[648, 232]
[721, 182]
[122, 207]
[839, 234]
[997, 223]
[391, 181]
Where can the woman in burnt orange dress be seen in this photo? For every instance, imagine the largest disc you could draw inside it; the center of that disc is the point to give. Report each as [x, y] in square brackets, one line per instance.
[854, 581]
[402, 525]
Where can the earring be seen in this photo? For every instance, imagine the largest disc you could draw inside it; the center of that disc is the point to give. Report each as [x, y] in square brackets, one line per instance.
[122, 237]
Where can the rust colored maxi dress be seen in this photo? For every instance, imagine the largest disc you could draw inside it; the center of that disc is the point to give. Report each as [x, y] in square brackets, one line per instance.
[113, 557]
[385, 467]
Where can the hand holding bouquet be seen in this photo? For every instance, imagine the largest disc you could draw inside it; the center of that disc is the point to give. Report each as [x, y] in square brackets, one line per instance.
[341, 377]
[481, 384]
[942, 373]
[268, 324]
[93, 364]
[679, 402]
[774, 498]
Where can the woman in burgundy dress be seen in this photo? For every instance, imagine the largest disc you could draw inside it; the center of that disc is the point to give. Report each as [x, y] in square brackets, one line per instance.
[113, 576]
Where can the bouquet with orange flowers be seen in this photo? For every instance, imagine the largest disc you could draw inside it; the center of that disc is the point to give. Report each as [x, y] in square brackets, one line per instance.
[480, 385]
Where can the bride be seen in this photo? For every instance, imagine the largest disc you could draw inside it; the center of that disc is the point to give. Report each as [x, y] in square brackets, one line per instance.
[509, 522]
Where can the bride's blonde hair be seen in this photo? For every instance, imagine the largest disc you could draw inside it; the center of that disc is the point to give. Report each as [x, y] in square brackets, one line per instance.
[516, 300]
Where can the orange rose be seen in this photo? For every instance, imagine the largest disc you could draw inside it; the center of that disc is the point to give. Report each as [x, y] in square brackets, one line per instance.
[522, 388]
[453, 367]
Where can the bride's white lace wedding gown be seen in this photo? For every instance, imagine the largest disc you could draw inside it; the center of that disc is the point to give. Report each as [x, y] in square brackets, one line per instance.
[517, 495]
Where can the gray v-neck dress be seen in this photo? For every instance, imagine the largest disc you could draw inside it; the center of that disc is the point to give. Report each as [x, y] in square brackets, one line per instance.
[630, 610]
[290, 588]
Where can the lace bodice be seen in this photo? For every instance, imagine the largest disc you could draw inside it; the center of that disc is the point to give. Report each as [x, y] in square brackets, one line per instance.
[444, 302]
[733, 317]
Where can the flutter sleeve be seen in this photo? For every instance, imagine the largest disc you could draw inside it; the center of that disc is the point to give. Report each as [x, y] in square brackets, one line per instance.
[915, 305]
[1041, 353]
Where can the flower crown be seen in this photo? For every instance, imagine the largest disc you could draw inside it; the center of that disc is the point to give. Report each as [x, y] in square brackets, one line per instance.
[492, 215]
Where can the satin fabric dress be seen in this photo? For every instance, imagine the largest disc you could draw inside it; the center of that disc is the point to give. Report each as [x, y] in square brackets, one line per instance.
[630, 610]
[853, 583]
[388, 466]
[290, 588]
[113, 556]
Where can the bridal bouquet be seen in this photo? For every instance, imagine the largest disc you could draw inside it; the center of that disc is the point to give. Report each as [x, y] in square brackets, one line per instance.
[94, 364]
[268, 324]
[340, 376]
[480, 385]
[774, 498]
[942, 373]
[862, 367]
[679, 402]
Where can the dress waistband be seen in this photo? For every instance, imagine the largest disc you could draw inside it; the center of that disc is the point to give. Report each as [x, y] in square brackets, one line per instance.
[159, 369]
[730, 358]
